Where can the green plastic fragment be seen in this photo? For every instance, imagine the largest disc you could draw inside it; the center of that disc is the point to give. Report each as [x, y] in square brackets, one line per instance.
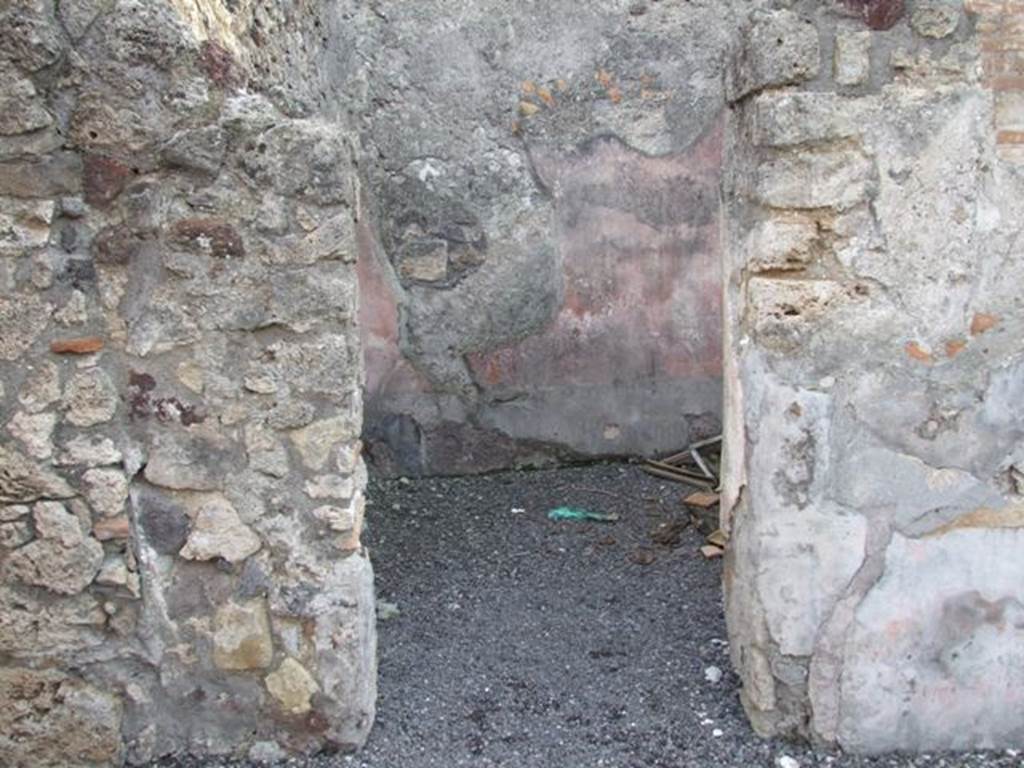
[571, 513]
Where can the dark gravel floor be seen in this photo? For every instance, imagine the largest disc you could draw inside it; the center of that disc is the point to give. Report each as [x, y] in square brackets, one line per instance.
[525, 643]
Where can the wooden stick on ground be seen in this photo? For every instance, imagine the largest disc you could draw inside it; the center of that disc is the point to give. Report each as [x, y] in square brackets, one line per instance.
[677, 477]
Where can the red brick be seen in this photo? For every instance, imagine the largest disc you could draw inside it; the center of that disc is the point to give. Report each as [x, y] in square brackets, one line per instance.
[983, 322]
[83, 346]
[112, 528]
[919, 353]
[878, 14]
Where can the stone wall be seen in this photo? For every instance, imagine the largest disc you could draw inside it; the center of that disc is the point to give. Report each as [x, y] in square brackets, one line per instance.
[180, 479]
[874, 373]
[540, 262]
[181, 227]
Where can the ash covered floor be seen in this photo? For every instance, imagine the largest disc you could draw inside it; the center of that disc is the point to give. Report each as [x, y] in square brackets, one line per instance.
[525, 643]
[528, 643]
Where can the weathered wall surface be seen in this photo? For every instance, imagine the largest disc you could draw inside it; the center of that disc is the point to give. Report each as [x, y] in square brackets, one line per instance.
[540, 263]
[180, 481]
[874, 369]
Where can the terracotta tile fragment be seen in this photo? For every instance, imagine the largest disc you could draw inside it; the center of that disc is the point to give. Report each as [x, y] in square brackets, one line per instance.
[983, 322]
[954, 347]
[878, 14]
[112, 528]
[702, 499]
[83, 346]
[919, 353]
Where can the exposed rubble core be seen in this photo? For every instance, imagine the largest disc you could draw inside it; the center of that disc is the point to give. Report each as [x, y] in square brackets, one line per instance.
[180, 390]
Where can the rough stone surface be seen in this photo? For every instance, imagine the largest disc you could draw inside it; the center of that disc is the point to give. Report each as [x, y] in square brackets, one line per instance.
[90, 451]
[218, 532]
[35, 431]
[62, 559]
[41, 387]
[25, 316]
[869, 474]
[189, 461]
[853, 57]
[106, 490]
[41, 705]
[14, 534]
[241, 636]
[292, 686]
[936, 18]
[178, 205]
[317, 442]
[90, 398]
[779, 48]
[23, 480]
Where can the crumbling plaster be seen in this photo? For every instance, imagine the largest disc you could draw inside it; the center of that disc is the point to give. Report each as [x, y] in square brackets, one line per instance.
[538, 172]
[874, 366]
[194, 194]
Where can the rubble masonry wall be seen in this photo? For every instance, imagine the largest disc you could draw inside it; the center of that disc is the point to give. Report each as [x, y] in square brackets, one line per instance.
[874, 374]
[180, 393]
[180, 473]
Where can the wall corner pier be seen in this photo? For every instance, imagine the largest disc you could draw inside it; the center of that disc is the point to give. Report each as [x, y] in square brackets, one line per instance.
[181, 491]
[874, 369]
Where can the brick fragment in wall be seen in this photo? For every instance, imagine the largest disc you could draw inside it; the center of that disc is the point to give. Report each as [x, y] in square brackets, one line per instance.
[1001, 28]
[878, 14]
[81, 346]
